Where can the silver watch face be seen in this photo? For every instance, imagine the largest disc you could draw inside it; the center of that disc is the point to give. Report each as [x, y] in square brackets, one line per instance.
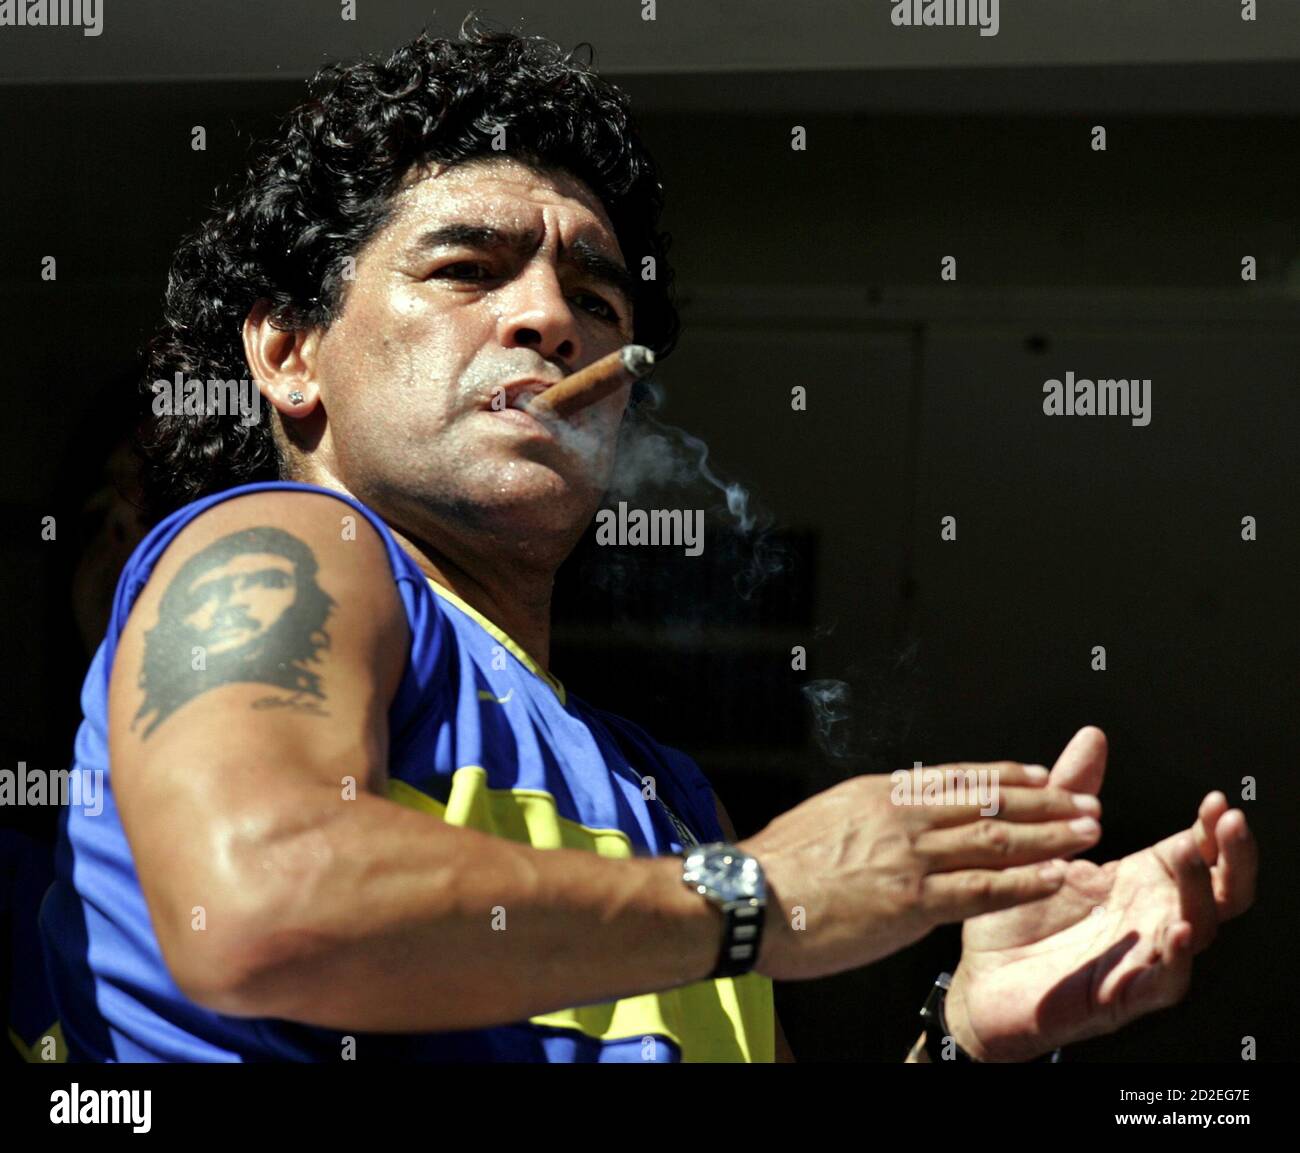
[726, 873]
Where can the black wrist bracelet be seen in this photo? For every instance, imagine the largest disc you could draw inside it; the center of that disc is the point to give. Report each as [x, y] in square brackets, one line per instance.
[936, 1031]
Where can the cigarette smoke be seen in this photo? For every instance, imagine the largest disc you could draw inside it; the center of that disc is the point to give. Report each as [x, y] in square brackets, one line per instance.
[654, 454]
[864, 726]
[656, 457]
[831, 703]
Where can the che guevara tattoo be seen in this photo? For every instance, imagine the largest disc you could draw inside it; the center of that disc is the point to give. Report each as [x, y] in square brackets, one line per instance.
[245, 609]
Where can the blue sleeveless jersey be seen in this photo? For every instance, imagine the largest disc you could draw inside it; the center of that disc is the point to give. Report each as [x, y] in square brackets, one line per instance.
[480, 736]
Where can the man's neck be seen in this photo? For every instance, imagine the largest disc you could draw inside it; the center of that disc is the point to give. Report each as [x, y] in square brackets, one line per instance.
[514, 594]
[515, 599]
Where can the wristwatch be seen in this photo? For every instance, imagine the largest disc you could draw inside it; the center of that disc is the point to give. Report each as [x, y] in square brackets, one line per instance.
[734, 881]
[936, 1031]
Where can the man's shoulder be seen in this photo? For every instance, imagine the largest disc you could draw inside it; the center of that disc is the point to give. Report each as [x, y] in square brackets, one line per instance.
[319, 543]
[281, 587]
[288, 505]
[307, 523]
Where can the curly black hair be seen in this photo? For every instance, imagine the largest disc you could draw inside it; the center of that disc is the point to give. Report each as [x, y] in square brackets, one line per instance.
[324, 184]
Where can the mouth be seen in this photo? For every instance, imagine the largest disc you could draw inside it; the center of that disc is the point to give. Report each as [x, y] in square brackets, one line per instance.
[519, 394]
[523, 421]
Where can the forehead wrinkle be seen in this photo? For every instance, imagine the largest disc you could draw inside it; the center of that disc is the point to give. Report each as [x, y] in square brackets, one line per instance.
[585, 254]
[479, 208]
[476, 231]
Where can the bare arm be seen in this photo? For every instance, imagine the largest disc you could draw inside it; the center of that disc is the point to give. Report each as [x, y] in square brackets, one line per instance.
[277, 890]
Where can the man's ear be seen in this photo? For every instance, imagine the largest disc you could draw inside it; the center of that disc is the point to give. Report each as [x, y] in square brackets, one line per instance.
[283, 362]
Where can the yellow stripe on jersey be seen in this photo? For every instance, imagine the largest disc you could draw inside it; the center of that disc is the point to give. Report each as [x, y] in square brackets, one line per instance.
[501, 636]
[50, 1041]
[730, 1019]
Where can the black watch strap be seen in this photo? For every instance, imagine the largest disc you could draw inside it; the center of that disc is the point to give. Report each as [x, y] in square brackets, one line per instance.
[742, 933]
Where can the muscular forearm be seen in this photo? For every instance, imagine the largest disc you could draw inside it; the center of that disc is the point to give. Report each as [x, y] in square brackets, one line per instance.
[379, 920]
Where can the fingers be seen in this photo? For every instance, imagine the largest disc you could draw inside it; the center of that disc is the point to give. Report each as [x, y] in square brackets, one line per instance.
[1166, 977]
[975, 773]
[1010, 772]
[1081, 766]
[997, 844]
[1234, 865]
[948, 897]
[1025, 805]
[1212, 808]
[1233, 876]
[1182, 856]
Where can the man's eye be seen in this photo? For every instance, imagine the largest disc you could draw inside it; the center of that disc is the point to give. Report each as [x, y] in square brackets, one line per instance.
[449, 270]
[611, 313]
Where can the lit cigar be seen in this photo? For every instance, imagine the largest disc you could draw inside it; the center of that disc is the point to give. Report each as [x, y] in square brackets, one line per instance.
[593, 383]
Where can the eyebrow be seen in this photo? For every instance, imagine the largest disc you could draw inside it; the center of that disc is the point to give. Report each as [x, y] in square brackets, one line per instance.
[581, 254]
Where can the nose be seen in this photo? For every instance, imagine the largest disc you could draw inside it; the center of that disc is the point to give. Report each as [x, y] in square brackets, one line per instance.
[538, 316]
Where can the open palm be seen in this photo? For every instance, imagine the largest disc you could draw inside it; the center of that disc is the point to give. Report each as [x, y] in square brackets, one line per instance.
[1115, 942]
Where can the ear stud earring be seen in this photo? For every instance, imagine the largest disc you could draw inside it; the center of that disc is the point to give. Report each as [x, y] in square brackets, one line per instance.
[295, 397]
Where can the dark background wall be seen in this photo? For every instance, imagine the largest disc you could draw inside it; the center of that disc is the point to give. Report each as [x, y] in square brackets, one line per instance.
[821, 268]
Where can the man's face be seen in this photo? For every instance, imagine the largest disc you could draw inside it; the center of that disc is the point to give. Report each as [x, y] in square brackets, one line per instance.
[440, 318]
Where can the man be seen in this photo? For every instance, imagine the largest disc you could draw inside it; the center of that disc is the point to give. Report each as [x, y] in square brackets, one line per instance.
[351, 812]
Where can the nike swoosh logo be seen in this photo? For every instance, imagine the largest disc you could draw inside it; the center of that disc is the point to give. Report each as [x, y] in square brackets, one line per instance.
[484, 695]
